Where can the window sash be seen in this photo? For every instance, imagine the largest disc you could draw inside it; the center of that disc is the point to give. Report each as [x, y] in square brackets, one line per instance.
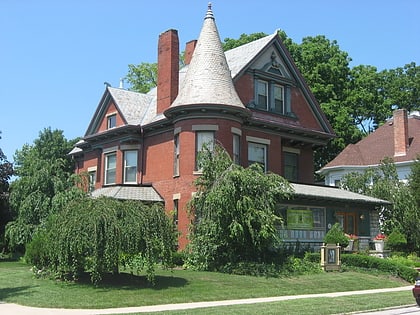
[110, 168]
[112, 121]
[257, 153]
[203, 138]
[176, 155]
[278, 99]
[236, 147]
[92, 181]
[291, 166]
[130, 166]
[262, 94]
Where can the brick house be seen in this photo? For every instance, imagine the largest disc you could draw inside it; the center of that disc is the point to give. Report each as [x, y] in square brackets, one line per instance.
[398, 138]
[251, 99]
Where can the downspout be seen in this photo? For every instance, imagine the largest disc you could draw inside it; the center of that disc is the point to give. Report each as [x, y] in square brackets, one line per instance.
[142, 154]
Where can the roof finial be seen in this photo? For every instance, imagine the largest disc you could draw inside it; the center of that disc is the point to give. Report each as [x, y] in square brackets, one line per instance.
[209, 13]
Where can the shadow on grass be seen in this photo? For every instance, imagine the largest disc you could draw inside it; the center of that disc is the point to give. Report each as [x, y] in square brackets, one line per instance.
[128, 281]
[6, 293]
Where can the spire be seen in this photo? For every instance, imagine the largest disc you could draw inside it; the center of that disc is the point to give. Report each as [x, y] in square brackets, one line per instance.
[208, 79]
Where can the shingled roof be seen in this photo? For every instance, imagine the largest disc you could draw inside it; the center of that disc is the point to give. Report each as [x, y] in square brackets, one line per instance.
[208, 79]
[372, 149]
[328, 193]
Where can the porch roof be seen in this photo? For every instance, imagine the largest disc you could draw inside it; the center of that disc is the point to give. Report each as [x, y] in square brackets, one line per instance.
[329, 193]
[140, 193]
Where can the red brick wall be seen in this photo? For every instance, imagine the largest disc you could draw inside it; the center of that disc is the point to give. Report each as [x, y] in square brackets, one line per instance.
[104, 124]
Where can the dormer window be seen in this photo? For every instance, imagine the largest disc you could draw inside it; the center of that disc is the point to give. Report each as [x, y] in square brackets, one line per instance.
[112, 121]
[270, 97]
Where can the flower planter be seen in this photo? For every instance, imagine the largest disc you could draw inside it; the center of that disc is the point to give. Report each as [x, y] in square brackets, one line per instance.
[379, 245]
[349, 247]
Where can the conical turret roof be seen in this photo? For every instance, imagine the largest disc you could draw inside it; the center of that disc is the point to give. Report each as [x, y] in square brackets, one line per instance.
[208, 79]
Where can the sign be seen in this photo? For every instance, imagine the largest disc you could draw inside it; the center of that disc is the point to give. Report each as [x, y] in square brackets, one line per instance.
[300, 219]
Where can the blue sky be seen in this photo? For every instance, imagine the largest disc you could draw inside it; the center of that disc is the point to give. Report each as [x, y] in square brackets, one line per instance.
[56, 55]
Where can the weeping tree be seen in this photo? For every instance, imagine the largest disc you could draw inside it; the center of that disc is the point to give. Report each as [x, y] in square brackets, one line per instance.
[98, 235]
[234, 212]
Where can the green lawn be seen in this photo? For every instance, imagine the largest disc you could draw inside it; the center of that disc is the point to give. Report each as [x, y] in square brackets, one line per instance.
[18, 285]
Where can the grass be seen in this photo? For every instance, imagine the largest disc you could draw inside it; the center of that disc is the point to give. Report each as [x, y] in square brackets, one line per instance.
[325, 306]
[18, 285]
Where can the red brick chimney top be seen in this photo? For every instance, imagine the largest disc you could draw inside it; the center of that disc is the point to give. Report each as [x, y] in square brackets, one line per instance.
[168, 69]
[400, 132]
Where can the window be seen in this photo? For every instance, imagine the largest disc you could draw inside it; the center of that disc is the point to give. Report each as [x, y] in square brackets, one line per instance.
[257, 153]
[278, 99]
[175, 216]
[262, 94]
[236, 149]
[303, 217]
[203, 138]
[130, 166]
[92, 181]
[291, 166]
[272, 97]
[110, 167]
[112, 121]
[176, 155]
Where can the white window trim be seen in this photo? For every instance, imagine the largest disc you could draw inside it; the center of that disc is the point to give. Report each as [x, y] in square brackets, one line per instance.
[291, 150]
[177, 130]
[125, 167]
[106, 169]
[92, 169]
[236, 131]
[130, 147]
[258, 140]
[110, 150]
[205, 127]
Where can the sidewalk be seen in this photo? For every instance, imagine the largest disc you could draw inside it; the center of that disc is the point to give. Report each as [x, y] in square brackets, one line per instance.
[14, 309]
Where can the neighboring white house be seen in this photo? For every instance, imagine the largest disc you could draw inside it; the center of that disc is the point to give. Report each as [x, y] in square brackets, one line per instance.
[398, 138]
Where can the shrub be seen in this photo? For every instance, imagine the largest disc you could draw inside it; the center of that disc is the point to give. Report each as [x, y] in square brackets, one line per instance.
[396, 241]
[336, 235]
[384, 265]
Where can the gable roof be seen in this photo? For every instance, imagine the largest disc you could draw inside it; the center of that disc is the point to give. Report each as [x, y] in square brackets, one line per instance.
[217, 88]
[134, 107]
[371, 150]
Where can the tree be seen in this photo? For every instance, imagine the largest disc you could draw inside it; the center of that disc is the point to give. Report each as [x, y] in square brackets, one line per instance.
[44, 169]
[234, 210]
[95, 236]
[142, 77]
[383, 183]
[414, 181]
[400, 87]
[6, 172]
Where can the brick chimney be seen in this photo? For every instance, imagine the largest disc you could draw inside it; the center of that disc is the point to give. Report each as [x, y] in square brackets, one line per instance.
[400, 132]
[189, 49]
[168, 69]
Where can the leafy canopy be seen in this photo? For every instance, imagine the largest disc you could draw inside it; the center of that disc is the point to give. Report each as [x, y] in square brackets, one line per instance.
[97, 235]
[44, 169]
[234, 212]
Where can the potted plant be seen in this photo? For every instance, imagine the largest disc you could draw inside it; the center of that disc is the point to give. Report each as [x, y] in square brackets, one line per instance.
[352, 240]
[336, 236]
[379, 241]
